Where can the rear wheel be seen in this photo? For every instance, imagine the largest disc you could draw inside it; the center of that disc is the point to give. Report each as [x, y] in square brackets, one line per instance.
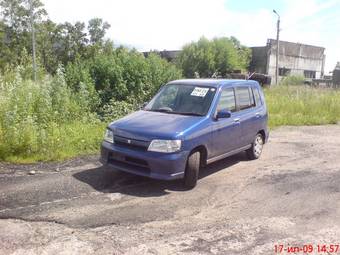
[254, 152]
[192, 170]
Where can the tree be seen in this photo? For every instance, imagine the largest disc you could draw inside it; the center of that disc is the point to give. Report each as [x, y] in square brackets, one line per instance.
[97, 29]
[73, 41]
[243, 52]
[55, 43]
[48, 37]
[16, 27]
[208, 57]
[16, 13]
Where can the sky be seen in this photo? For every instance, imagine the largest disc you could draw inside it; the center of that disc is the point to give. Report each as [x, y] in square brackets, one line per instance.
[169, 24]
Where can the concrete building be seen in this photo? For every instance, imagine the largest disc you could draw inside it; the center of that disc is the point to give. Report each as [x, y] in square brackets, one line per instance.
[336, 75]
[294, 59]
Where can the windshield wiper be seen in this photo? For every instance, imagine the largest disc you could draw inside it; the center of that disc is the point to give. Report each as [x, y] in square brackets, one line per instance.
[188, 113]
[167, 110]
[161, 110]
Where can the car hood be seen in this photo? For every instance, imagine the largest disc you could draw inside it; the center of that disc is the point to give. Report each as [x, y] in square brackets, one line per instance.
[147, 125]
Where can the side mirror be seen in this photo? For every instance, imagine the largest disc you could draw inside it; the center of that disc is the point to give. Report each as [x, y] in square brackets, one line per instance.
[223, 114]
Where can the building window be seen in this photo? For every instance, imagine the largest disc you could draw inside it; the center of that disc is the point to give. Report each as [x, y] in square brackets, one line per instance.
[284, 71]
[309, 74]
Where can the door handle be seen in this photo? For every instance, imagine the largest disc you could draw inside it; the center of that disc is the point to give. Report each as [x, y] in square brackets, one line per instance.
[257, 115]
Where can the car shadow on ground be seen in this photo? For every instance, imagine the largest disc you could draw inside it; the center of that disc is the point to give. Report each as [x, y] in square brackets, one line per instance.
[108, 180]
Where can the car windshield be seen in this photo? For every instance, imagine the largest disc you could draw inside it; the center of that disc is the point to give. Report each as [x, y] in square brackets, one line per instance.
[182, 99]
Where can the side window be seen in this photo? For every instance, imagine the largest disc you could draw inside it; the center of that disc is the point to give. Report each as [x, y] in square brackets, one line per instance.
[252, 100]
[257, 96]
[243, 98]
[227, 100]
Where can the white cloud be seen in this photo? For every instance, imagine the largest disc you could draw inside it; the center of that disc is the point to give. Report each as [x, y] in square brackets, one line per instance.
[157, 24]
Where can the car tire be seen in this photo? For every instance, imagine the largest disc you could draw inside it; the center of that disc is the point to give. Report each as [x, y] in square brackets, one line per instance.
[254, 152]
[192, 170]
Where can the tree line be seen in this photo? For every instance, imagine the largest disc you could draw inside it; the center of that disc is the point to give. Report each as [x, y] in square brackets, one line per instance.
[66, 43]
[56, 43]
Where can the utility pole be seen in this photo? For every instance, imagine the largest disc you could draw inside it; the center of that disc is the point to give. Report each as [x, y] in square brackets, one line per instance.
[33, 40]
[277, 47]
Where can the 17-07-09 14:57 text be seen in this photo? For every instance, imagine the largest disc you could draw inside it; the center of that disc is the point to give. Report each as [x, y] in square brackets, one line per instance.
[308, 248]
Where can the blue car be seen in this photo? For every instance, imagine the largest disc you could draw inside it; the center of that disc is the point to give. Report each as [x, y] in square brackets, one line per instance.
[187, 125]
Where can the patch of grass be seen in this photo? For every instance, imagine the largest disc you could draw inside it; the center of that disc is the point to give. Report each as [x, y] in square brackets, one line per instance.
[302, 105]
[292, 80]
[45, 121]
[62, 142]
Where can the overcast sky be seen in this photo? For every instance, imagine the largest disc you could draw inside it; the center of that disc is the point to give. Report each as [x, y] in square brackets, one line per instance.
[169, 24]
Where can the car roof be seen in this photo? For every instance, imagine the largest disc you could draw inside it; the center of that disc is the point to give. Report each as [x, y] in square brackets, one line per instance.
[211, 82]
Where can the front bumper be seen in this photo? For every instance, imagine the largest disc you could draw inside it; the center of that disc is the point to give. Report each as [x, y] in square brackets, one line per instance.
[163, 166]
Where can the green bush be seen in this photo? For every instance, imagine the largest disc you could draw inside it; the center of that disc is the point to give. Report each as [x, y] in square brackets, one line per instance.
[219, 56]
[44, 120]
[117, 109]
[159, 72]
[78, 78]
[122, 75]
[128, 76]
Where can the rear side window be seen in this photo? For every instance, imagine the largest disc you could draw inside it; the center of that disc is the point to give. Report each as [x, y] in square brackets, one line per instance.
[257, 96]
[243, 98]
[252, 100]
[227, 100]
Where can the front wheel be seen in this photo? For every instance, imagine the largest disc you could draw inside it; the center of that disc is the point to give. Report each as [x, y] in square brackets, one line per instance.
[254, 152]
[192, 170]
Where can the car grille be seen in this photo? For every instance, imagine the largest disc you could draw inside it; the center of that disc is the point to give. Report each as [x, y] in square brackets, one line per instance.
[128, 162]
[131, 143]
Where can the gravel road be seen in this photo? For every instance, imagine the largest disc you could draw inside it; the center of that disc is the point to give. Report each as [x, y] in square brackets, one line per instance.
[289, 197]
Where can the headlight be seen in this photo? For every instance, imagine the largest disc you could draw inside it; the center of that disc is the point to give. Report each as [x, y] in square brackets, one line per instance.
[108, 136]
[165, 145]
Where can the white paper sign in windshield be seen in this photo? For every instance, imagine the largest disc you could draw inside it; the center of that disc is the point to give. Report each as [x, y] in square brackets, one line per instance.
[199, 92]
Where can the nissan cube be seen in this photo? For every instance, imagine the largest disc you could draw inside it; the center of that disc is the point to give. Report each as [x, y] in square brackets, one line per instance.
[187, 125]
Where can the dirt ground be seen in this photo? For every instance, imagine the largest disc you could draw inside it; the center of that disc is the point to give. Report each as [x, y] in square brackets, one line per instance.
[290, 197]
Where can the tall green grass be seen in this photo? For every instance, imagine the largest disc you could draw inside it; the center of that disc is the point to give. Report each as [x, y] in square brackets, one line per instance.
[302, 105]
[45, 121]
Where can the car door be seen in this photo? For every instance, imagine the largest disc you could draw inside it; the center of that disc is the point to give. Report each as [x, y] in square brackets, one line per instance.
[246, 113]
[226, 131]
